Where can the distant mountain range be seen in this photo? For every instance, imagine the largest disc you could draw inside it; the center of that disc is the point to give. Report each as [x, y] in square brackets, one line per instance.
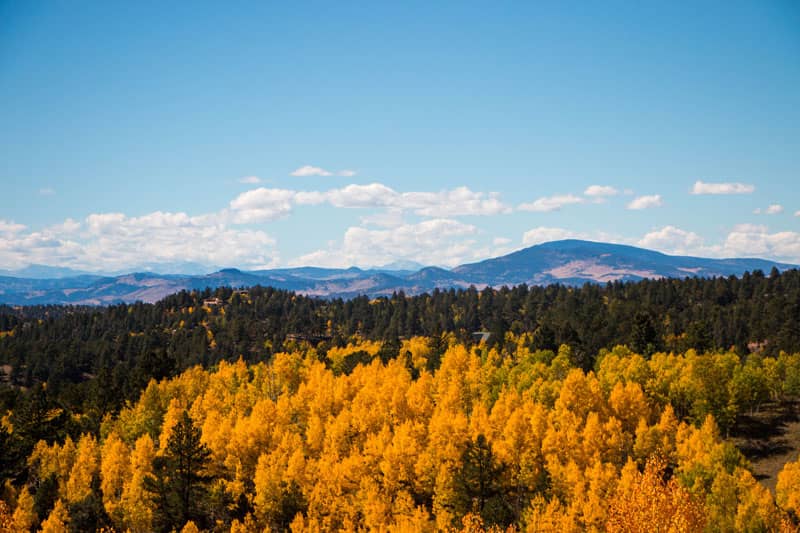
[571, 262]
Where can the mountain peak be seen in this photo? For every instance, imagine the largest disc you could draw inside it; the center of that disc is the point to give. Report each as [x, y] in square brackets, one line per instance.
[575, 261]
[568, 261]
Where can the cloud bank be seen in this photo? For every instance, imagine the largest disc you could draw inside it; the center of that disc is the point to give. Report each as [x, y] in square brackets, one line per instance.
[701, 187]
[309, 170]
[645, 202]
[421, 226]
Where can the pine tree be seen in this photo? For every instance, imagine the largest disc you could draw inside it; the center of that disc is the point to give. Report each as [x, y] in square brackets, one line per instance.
[478, 483]
[178, 484]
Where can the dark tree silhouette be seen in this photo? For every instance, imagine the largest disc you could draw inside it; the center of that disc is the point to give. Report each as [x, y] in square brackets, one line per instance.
[178, 486]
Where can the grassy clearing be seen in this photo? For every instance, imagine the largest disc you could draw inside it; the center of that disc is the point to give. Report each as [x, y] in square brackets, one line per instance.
[769, 439]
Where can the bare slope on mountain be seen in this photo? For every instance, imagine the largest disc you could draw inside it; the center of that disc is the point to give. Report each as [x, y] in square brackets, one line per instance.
[576, 261]
[570, 262]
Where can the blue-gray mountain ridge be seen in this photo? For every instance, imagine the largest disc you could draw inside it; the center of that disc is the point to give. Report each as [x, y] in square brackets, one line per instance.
[570, 262]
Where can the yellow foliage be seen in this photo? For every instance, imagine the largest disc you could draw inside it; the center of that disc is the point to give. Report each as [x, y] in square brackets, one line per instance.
[56, 460]
[549, 517]
[57, 520]
[787, 491]
[6, 521]
[314, 448]
[757, 510]
[84, 470]
[24, 517]
[135, 504]
[420, 350]
[190, 527]
[115, 470]
[645, 502]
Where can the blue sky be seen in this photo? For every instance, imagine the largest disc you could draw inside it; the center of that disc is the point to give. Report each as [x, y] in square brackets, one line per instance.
[141, 133]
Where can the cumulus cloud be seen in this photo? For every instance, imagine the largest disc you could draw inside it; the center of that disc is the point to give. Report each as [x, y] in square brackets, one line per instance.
[250, 180]
[115, 241]
[673, 240]
[359, 196]
[797, 213]
[773, 209]
[743, 240]
[263, 204]
[600, 191]
[308, 170]
[749, 240]
[450, 242]
[545, 234]
[645, 202]
[10, 227]
[551, 203]
[67, 228]
[436, 241]
[701, 187]
[453, 202]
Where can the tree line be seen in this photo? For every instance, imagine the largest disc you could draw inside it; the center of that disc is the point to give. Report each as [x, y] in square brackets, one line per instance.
[127, 344]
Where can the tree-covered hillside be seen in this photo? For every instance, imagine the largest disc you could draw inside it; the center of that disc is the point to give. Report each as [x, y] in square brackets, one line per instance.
[126, 345]
[263, 409]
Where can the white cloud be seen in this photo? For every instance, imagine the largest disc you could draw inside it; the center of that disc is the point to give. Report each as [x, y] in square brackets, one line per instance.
[773, 209]
[10, 227]
[551, 203]
[250, 180]
[458, 201]
[501, 241]
[453, 202]
[600, 191]
[749, 240]
[743, 240]
[262, 205]
[370, 195]
[673, 240]
[545, 234]
[645, 202]
[701, 187]
[797, 213]
[47, 191]
[308, 170]
[68, 227]
[114, 241]
[435, 241]
[100, 222]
